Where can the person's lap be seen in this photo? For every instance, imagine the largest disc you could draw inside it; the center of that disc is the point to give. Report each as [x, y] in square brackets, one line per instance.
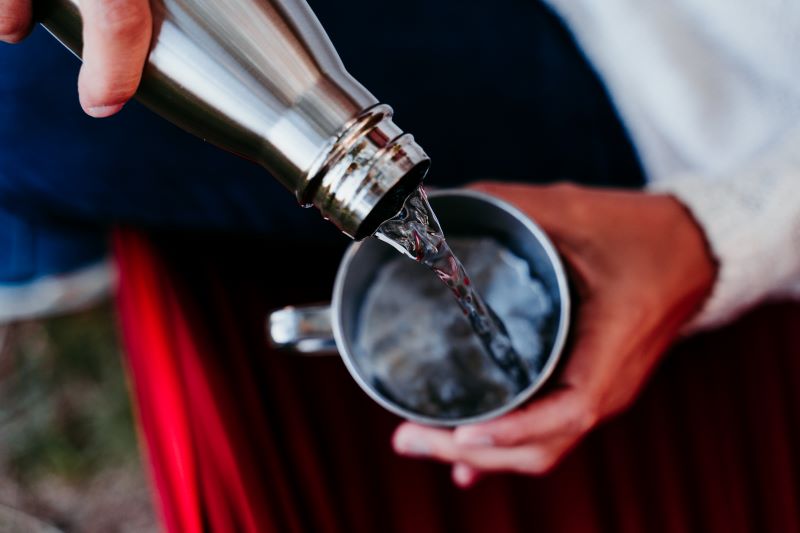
[288, 443]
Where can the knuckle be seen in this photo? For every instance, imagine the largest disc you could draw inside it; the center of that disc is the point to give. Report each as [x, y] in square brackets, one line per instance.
[571, 202]
[123, 17]
[13, 29]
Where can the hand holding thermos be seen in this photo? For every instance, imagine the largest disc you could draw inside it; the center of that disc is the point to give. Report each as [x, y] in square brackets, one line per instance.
[116, 36]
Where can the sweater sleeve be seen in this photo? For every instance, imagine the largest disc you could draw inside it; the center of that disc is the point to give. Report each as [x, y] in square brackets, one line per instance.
[752, 223]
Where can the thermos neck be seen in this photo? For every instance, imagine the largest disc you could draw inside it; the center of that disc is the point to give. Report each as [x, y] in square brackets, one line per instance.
[367, 174]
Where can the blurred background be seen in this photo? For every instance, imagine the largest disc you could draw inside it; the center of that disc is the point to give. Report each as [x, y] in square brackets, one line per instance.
[68, 446]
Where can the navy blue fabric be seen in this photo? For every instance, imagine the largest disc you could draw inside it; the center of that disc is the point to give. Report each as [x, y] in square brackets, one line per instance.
[490, 90]
[32, 249]
[135, 167]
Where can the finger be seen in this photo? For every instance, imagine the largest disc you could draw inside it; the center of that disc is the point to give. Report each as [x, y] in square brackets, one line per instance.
[116, 41]
[464, 475]
[583, 399]
[438, 444]
[560, 413]
[15, 20]
[531, 459]
[422, 441]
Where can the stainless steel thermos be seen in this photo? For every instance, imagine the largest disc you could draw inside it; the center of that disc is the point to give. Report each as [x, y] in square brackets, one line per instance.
[260, 78]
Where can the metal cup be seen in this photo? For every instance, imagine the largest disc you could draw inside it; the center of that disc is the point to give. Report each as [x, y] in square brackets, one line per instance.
[324, 329]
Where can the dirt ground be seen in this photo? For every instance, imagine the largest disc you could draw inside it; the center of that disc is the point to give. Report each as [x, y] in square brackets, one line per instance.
[68, 447]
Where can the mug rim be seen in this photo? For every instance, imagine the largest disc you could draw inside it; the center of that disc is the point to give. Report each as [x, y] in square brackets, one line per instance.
[553, 357]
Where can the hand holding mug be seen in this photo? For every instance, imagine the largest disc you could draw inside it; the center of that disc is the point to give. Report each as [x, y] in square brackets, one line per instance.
[641, 269]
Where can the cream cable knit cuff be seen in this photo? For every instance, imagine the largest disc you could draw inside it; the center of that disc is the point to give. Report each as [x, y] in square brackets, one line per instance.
[752, 223]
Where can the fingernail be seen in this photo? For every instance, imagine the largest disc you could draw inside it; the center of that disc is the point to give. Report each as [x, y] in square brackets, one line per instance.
[462, 475]
[474, 440]
[412, 446]
[102, 111]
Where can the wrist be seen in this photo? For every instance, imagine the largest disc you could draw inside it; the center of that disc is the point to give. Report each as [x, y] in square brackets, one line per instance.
[695, 269]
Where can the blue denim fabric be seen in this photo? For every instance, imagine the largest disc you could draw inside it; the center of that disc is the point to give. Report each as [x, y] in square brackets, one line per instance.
[490, 90]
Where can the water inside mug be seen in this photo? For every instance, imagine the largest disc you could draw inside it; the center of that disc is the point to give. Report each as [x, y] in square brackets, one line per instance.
[424, 358]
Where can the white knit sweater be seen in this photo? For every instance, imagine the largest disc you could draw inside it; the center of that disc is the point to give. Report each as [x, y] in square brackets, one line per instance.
[710, 93]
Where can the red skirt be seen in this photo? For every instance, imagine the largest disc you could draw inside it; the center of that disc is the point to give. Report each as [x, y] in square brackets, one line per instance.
[240, 438]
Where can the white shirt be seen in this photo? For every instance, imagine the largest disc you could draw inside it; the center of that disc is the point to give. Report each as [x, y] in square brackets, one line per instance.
[709, 91]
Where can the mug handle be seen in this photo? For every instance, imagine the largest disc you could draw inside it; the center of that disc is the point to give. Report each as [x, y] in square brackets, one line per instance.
[303, 330]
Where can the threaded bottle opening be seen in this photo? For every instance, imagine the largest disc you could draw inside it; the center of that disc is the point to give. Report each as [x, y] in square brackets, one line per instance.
[368, 173]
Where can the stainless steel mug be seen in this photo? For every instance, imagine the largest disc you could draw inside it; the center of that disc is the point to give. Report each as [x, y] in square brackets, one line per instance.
[260, 78]
[325, 329]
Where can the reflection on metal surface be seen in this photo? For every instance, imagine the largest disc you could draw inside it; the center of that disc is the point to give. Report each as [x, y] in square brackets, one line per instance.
[463, 213]
[260, 78]
[305, 330]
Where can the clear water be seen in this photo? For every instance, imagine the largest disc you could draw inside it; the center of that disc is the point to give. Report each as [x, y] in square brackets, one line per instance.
[420, 352]
[416, 232]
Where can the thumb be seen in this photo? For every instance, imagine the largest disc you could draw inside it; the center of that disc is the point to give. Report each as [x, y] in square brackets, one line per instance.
[116, 41]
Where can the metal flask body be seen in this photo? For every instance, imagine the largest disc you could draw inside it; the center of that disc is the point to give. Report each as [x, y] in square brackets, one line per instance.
[261, 79]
